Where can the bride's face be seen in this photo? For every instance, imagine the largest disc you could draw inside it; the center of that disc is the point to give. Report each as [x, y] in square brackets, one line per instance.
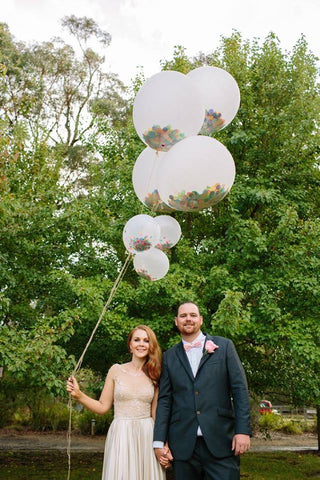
[139, 345]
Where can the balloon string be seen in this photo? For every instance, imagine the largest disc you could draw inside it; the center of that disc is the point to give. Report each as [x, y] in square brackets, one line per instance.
[79, 363]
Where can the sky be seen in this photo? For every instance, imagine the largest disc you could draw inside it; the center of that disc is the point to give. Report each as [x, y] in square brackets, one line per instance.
[144, 32]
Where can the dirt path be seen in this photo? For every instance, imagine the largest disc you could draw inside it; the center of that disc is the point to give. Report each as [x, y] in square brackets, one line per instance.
[57, 441]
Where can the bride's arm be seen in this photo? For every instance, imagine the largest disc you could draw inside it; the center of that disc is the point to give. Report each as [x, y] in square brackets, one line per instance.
[105, 401]
[166, 456]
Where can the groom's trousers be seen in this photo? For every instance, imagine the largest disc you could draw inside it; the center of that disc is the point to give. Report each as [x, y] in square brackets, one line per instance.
[204, 466]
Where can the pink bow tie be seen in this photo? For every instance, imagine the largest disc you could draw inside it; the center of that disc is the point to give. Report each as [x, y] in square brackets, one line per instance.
[188, 346]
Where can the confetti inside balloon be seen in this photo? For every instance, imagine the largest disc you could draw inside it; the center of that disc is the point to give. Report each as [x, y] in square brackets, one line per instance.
[197, 173]
[152, 264]
[140, 233]
[162, 139]
[145, 179]
[167, 108]
[220, 95]
[170, 232]
[194, 201]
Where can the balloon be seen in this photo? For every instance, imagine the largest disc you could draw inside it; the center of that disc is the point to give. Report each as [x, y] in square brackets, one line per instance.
[145, 179]
[220, 96]
[197, 173]
[140, 233]
[170, 232]
[166, 109]
[152, 264]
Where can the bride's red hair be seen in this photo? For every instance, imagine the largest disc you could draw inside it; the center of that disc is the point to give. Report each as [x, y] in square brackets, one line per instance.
[152, 367]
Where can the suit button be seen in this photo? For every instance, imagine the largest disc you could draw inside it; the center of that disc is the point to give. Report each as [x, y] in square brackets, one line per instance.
[196, 393]
[198, 412]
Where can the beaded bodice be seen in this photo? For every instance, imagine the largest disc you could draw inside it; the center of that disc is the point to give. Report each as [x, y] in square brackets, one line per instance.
[133, 394]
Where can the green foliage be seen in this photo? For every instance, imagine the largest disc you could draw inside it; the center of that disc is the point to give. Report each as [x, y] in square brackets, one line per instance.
[292, 427]
[251, 262]
[49, 416]
[83, 28]
[83, 422]
[5, 412]
[260, 246]
[271, 421]
[53, 91]
[88, 465]
[280, 466]
[27, 406]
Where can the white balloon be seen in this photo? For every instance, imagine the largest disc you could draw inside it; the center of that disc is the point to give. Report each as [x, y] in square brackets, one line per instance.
[152, 264]
[220, 96]
[167, 108]
[170, 232]
[140, 233]
[197, 173]
[145, 179]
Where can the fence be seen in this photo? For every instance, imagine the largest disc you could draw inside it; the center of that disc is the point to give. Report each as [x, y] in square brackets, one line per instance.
[307, 412]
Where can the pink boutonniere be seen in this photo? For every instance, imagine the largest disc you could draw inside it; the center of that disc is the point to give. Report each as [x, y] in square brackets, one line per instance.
[210, 347]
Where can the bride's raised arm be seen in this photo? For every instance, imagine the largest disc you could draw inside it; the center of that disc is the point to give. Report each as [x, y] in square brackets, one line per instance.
[105, 401]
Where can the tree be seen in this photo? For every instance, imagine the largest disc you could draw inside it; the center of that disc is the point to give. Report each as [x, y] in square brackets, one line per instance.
[48, 101]
[252, 261]
[55, 93]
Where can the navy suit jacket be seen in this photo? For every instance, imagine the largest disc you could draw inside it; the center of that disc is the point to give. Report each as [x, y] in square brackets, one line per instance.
[216, 399]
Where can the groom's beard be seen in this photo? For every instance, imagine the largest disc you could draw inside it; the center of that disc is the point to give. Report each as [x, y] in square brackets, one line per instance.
[189, 328]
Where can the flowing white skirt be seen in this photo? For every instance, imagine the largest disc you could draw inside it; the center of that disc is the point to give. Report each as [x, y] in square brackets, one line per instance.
[128, 453]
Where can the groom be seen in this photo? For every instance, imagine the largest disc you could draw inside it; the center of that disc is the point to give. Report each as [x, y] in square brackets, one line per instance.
[203, 406]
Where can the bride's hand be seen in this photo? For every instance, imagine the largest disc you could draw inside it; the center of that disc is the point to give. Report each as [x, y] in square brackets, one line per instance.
[167, 457]
[73, 387]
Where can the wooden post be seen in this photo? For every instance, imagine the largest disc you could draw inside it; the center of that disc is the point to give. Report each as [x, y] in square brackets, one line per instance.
[93, 425]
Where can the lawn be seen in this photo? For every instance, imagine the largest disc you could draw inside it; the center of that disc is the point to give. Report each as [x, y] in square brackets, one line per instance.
[49, 465]
[280, 466]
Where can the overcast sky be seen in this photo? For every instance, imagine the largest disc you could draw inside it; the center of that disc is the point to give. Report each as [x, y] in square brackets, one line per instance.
[145, 31]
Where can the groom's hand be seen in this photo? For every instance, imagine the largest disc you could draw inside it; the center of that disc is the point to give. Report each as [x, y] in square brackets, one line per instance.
[168, 453]
[164, 456]
[240, 443]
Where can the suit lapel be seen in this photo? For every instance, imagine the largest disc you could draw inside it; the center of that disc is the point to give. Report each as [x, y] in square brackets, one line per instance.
[205, 357]
[181, 354]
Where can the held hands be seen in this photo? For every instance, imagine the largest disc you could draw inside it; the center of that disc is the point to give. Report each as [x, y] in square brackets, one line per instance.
[73, 387]
[164, 456]
[240, 443]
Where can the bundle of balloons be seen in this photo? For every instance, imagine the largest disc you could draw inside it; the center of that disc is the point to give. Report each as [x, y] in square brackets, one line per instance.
[182, 168]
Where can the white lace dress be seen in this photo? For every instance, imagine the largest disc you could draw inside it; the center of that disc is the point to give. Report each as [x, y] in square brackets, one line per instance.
[128, 451]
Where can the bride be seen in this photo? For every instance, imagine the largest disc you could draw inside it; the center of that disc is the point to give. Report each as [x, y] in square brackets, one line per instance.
[133, 389]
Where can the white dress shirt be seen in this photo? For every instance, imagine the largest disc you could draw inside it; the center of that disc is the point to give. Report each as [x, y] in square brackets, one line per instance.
[194, 356]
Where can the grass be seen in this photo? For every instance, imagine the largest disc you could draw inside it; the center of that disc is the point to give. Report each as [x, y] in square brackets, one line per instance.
[49, 465]
[280, 466]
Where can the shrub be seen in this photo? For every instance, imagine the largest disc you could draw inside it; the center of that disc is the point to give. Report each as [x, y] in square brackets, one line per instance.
[309, 426]
[5, 413]
[58, 417]
[270, 421]
[22, 416]
[50, 414]
[90, 383]
[291, 426]
[102, 422]
[254, 413]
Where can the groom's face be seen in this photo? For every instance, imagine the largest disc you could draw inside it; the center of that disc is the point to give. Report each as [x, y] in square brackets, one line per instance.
[188, 320]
